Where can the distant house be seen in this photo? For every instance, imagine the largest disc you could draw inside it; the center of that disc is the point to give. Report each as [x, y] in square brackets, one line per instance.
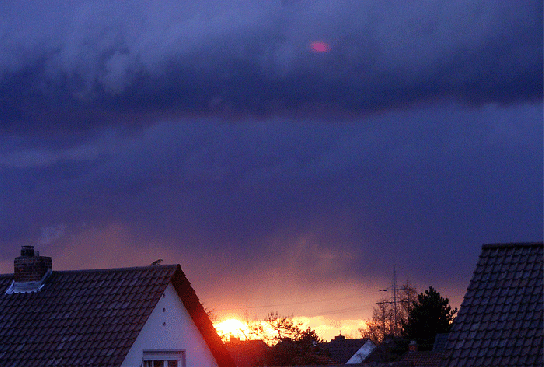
[500, 322]
[134, 317]
[247, 353]
[342, 350]
[430, 358]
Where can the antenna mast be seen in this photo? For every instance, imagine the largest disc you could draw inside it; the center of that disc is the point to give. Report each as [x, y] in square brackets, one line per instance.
[394, 328]
[395, 300]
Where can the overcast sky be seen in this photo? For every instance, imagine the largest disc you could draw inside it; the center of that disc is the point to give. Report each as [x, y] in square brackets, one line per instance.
[281, 175]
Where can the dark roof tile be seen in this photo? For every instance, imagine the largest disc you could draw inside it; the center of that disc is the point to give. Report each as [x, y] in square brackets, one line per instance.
[500, 321]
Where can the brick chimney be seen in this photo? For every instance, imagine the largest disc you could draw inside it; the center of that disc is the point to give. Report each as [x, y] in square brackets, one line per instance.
[30, 267]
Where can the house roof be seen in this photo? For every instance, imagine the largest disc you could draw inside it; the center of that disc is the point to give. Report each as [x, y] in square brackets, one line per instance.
[341, 349]
[440, 342]
[91, 317]
[500, 321]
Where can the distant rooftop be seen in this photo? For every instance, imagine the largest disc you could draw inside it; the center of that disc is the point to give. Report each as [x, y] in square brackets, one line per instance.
[342, 349]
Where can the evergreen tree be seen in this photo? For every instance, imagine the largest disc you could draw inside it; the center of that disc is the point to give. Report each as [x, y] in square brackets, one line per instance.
[431, 314]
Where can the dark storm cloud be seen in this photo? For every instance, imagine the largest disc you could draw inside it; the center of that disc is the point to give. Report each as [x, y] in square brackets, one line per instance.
[436, 181]
[274, 206]
[277, 209]
[79, 64]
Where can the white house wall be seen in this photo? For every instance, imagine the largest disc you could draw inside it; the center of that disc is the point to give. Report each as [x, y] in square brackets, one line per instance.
[170, 327]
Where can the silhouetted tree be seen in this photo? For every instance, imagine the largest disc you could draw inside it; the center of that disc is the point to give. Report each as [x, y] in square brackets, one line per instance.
[292, 345]
[408, 296]
[383, 317]
[431, 314]
[274, 328]
[381, 323]
[304, 349]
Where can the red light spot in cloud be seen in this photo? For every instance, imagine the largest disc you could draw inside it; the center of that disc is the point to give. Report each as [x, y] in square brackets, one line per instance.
[319, 46]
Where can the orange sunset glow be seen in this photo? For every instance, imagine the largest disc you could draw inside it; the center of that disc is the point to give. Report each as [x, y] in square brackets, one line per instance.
[232, 328]
[327, 330]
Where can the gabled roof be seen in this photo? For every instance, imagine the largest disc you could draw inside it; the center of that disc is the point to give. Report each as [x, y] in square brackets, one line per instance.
[500, 322]
[91, 317]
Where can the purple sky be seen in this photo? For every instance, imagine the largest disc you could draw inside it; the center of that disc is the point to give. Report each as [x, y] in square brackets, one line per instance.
[208, 133]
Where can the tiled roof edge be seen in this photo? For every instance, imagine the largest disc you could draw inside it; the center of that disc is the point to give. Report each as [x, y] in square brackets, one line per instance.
[512, 245]
[200, 318]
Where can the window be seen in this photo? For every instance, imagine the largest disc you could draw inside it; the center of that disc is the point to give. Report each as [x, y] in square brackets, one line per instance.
[161, 363]
[163, 358]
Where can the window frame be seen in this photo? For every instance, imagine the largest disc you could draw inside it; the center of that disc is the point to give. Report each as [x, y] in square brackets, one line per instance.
[164, 355]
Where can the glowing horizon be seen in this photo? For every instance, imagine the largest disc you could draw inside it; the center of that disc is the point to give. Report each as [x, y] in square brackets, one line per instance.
[232, 327]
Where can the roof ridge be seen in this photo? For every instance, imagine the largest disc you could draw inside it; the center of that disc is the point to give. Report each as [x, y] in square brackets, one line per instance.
[512, 245]
[171, 267]
[131, 268]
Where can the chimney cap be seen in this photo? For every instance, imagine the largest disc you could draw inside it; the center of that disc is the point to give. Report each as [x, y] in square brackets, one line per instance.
[27, 251]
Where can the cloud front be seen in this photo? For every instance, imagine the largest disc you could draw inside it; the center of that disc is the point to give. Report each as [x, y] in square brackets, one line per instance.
[105, 62]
